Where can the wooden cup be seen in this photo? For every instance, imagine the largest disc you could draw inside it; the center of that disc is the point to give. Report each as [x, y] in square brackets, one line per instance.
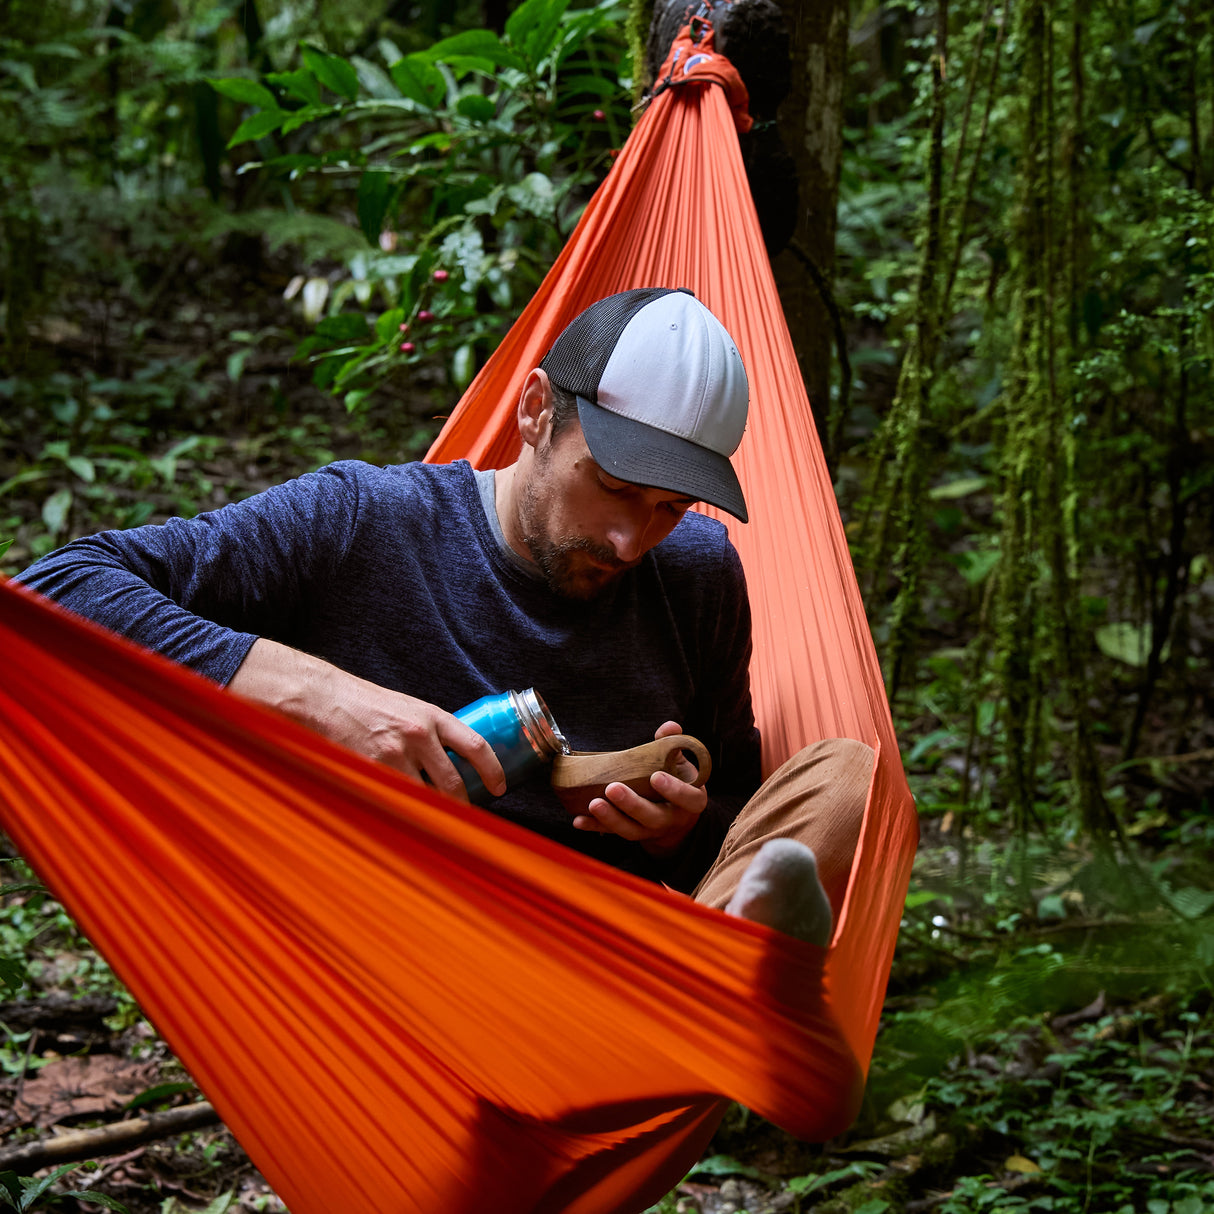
[579, 777]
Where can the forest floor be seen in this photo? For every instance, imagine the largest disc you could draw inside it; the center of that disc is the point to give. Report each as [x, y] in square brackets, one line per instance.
[1048, 1039]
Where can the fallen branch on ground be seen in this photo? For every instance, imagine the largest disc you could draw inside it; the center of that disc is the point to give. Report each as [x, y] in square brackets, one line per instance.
[107, 1139]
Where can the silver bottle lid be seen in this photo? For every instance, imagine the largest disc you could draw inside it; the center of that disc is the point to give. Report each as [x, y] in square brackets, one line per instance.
[538, 726]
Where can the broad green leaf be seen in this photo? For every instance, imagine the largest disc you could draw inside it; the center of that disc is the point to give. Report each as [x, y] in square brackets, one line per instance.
[300, 84]
[533, 27]
[418, 79]
[99, 1199]
[487, 205]
[345, 326]
[375, 189]
[309, 113]
[332, 71]
[1192, 902]
[5, 545]
[82, 467]
[12, 969]
[600, 85]
[373, 81]
[10, 1189]
[22, 478]
[258, 126]
[34, 1189]
[350, 368]
[1190, 1204]
[65, 50]
[724, 1165]
[154, 1095]
[464, 249]
[439, 140]
[178, 449]
[236, 362]
[476, 106]
[811, 1184]
[22, 71]
[248, 91]
[929, 742]
[55, 510]
[475, 44]
[535, 195]
[1125, 642]
[463, 366]
[976, 566]
[387, 327]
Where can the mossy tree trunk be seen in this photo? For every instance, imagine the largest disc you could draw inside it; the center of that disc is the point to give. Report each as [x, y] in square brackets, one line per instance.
[811, 125]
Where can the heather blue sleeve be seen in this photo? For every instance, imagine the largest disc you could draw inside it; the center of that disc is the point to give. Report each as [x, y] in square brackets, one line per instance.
[202, 590]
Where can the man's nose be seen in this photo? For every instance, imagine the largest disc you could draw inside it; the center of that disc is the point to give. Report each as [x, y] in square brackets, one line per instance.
[627, 536]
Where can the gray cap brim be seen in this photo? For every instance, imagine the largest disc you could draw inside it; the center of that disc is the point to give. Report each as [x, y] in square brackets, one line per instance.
[631, 451]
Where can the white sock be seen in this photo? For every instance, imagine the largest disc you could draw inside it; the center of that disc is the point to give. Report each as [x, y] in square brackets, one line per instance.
[781, 889]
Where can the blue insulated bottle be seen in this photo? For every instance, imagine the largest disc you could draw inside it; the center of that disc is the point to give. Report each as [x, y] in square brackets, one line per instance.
[519, 727]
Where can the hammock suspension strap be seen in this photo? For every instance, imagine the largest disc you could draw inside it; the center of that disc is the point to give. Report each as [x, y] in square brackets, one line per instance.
[703, 64]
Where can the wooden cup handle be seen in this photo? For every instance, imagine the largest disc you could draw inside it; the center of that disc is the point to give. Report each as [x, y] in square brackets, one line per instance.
[580, 777]
[666, 753]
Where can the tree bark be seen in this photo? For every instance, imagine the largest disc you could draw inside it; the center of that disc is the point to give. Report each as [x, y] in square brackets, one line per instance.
[811, 124]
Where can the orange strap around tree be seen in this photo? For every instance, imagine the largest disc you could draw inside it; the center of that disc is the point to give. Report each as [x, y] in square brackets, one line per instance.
[400, 1004]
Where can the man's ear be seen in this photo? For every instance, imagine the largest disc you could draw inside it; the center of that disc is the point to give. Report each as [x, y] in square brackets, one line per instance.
[535, 408]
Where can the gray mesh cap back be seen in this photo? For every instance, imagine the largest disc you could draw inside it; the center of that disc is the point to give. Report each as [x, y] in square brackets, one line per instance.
[662, 394]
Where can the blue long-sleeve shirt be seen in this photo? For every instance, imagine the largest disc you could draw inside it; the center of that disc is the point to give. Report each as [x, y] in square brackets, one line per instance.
[400, 575]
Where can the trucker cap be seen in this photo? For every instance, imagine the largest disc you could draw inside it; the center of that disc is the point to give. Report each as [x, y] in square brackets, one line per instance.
[661, 392]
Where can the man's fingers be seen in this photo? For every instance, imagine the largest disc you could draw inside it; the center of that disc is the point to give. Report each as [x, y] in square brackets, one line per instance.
[611, 819]
[470, 746]
[679, 790]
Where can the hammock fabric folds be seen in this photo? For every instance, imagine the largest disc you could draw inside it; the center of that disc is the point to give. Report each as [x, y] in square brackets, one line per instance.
[399, 1004]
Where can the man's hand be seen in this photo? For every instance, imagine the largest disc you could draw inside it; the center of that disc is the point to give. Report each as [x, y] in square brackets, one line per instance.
[399, 730]
[660, 825]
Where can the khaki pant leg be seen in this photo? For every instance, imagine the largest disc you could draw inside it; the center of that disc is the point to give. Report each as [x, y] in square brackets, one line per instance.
[818, 798]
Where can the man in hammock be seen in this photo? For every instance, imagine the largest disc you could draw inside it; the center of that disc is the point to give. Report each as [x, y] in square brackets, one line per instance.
[369, 603]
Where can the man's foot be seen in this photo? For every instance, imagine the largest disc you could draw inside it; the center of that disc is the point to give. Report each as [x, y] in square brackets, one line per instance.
[782, 890]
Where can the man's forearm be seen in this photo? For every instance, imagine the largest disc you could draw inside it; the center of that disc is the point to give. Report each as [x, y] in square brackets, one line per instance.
[388, 726]
[294, 683]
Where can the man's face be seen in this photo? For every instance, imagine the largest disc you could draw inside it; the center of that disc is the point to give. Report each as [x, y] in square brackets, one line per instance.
[584, 527]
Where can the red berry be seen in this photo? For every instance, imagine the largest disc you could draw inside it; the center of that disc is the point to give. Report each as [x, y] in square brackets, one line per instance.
[441, 275]
[599, 116]
[425, 316]
[614, 153]
[407, 347]
[404, 328]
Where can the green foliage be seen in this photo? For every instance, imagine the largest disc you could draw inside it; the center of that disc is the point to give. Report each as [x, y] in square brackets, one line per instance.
[466, 165]
[27, 1192]
[1110, 1094]
[1034, 233]
[35, 931]
[102, 118]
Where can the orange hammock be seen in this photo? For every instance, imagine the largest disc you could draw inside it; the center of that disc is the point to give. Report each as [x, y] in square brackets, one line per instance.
[398, 1003]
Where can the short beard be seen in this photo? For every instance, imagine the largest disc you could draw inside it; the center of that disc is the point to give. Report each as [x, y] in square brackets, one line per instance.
[557, 559]
[557, 562]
